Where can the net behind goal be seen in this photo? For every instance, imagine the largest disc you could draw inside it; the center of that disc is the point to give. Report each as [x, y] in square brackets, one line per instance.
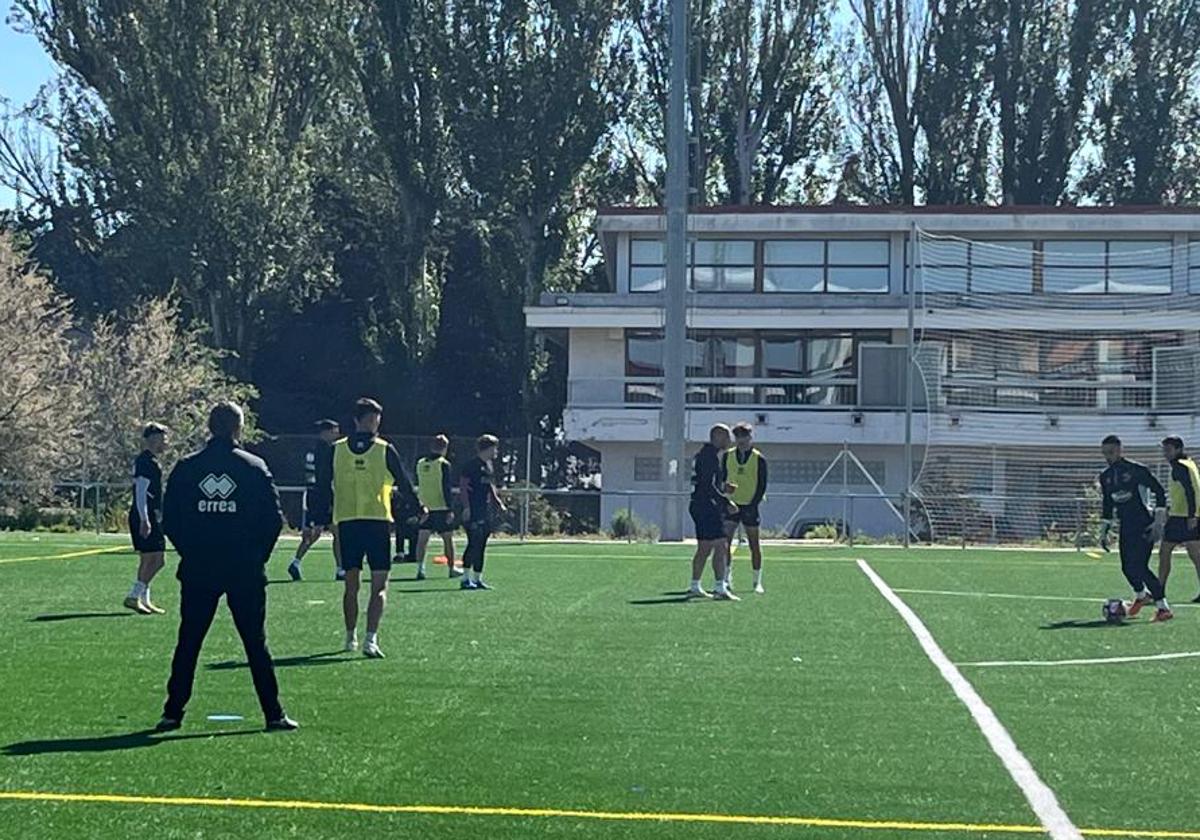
[1028, 353]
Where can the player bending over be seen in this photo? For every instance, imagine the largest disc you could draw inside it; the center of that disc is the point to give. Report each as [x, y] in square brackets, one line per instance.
[1121, 486]
[708, 508]
[327, 434]
[477, 487]
[145, 519]
[746, 472]
[434, 490]
[1183, 522]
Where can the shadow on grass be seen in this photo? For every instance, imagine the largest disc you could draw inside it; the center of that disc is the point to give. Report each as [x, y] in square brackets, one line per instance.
[1076, 624]
[327, 658]
[73, 616]
[668, 598]
[111, 743]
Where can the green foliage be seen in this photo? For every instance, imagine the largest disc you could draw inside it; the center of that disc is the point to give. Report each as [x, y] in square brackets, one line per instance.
[626, 525]
[545, 520]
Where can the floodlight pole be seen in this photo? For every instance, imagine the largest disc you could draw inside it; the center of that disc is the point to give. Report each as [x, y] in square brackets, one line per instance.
[911, 359]
[674, 416]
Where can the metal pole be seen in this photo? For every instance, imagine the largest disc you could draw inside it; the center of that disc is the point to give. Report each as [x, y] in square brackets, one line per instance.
[675, 310]
[845, 485]
[911, 356]
[528, 484]
[96, 501]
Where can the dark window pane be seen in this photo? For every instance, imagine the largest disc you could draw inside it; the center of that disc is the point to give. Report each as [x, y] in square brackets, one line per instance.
[783, 357]
[644, 354]
[831, 357]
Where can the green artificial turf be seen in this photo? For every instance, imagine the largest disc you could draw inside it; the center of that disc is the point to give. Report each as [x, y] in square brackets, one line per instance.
[584, 682]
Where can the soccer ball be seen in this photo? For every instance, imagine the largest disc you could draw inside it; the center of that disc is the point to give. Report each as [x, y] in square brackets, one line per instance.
[1113, 610]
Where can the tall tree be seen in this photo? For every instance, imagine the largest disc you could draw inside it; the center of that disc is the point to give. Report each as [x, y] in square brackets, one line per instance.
[897, 40]
[196, 129]
[1148, 105]
[1045, 58]
[953, 106]
[759, 99]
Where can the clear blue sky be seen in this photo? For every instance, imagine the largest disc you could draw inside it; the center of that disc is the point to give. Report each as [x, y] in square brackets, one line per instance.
[24, 68]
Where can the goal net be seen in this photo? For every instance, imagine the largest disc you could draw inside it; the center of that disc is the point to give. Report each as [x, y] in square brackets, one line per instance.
[1028, 352]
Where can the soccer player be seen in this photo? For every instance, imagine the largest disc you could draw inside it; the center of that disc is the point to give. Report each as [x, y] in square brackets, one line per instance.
[354, 491]
[434, 490]
[708, 508]
[328, 433]
[223, 517]
[746, 471]
[477, 487]
[145, 518]
[1183, 521]
[1122, 502]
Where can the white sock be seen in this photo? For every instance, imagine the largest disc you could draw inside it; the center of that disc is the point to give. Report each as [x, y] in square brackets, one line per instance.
[1162, 604]
[372, 639]
[758, 577]
[146, 593]
[138, 590]
[695, 586]
[351, 636]
[719, 585]
[476, 576]
[295, 561]
[421, 568]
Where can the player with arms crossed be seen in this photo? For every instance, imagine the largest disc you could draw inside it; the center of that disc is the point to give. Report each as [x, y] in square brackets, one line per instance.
[708, 508]
[434, 491]
[328, 433]
[145, 519]
[746, 471]
[1121, 486]
[1183, 522]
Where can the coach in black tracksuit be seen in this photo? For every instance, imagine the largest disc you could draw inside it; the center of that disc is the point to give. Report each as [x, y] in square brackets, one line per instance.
[222, 514]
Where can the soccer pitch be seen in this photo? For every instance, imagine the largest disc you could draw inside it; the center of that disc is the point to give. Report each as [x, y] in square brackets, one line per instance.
[584, 698]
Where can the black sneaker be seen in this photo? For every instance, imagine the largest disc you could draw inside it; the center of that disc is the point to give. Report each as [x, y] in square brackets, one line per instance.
[284, 724]
[293, 571]
[1196, 600]
[166, 724]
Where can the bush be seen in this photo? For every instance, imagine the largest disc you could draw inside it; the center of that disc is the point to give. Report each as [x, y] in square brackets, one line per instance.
[828, 531]
[544, 518]
[626, 526]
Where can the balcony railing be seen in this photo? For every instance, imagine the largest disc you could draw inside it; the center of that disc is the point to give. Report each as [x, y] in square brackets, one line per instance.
[970, 393]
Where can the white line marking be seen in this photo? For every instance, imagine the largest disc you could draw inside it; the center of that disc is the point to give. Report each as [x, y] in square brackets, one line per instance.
[1098, 599]
[1049, 663]
[1039, 795]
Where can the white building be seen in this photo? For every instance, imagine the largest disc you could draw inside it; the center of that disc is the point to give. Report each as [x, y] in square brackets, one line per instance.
[1042, 329]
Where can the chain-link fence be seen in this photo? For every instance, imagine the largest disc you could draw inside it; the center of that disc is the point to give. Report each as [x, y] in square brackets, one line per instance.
[632, 515]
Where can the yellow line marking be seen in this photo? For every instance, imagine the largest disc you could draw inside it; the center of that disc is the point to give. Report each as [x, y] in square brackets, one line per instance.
[570, 813]
[68, 555]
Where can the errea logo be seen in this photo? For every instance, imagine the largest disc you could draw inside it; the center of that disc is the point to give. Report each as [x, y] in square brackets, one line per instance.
[218, 489]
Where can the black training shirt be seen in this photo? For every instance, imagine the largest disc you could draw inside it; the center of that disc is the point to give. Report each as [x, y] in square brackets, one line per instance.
[146, 466]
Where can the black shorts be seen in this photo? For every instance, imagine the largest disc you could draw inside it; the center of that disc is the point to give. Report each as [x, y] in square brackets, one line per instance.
[1177, 531]
[440, 522]
[746, 515]
[707, 518]
[149, 545]
[368, 539]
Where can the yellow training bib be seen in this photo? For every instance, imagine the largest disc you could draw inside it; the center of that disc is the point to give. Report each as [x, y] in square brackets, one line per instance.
[430, 489]
[745, 476]
[362, 484]
[1179, 503]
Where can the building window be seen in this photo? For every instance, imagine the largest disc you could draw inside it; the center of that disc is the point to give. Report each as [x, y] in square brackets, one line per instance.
[714, 265]
[1118, 266]
[955, 265]
[1194, 267]
[647, 469]
[826, 265]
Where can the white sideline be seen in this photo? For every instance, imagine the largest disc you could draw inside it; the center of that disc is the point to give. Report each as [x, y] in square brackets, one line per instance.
[1049, 663]
[1039, 795]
